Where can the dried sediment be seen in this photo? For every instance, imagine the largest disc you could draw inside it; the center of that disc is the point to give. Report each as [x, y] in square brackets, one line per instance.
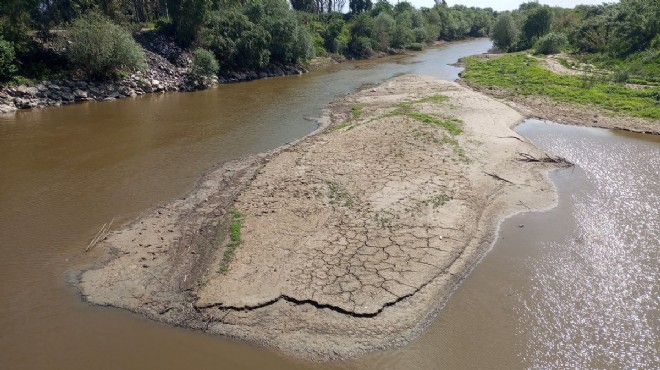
[351, 239]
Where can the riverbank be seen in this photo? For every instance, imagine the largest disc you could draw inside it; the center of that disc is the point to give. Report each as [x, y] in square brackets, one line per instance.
[345, 242]
[541, 87]
[166, 71]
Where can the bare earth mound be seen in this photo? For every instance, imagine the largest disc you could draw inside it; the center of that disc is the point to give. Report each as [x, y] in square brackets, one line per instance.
[351, 239]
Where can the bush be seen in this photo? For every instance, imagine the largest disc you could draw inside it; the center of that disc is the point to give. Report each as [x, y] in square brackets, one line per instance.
[7, 60]
[204, 64]
[552, 43]
[504, 32]
[236, 41]
[100, 47]
[415, 46]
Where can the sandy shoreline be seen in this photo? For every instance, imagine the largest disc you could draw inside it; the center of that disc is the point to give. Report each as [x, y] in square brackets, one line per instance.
[352, 237]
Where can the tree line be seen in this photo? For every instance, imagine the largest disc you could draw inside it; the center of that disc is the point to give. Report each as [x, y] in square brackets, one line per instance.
[232, 34]
[624, 34]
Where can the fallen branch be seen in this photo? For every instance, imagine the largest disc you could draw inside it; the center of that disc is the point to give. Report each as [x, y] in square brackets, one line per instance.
[496, 177]
[100, 235]
[511, 137]
[524, 157]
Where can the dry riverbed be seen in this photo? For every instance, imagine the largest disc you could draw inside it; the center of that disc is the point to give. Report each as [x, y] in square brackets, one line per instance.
[347, 241]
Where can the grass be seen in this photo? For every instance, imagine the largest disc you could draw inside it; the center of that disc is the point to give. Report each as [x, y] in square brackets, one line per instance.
[438, 200]
[439, 98]
[452, 125]
[520, 74]
[339, 196]
[235, 239]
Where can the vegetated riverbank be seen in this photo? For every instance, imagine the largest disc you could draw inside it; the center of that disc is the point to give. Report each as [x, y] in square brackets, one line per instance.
[541, 87]
[344, 242]
[167, 70]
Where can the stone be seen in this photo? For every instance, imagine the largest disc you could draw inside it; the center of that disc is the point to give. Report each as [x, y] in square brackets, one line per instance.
[5, 108]
[80, 94]
[67, 96]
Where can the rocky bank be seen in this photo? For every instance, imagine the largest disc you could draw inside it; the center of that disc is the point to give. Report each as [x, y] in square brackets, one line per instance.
[167, 66]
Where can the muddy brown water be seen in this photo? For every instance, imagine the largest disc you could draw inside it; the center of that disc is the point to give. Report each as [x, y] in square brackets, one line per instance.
[66, 171]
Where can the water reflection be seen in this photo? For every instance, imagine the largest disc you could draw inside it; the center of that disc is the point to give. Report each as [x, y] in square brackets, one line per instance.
[595, 298]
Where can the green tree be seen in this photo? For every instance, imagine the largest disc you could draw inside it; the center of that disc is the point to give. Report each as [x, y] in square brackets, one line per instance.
[188, 17]
[537, 23]
[100, 47]
[236, 41]
[7, 60]
[504, 32]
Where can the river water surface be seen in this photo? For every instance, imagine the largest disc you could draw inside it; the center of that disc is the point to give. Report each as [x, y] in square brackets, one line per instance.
[552, 293]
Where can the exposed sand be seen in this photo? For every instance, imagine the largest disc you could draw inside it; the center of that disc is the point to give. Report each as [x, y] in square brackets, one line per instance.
[352, 238]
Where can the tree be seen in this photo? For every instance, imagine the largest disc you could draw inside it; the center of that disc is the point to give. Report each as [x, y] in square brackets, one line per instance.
[188, 17]
[7, 60]
[504, 32]
[100, 47]
[537, 24]
[359, 6]
[236, 41]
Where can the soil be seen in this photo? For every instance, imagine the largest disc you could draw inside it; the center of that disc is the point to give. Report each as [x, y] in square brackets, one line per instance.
[352, 238]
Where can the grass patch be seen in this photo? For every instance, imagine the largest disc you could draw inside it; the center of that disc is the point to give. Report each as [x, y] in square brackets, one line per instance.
[356, 111]
[452, 125]
[339, 196]
[438, 200]
[439, 98]
[520, 74]
[235, 239]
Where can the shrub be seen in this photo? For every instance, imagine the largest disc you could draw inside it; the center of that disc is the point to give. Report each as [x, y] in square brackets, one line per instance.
[236, 41]
[100, 47]
[7, 60]
[361, 47]
[551, 43]
[504, 32]
[415, 46]
[204, 64]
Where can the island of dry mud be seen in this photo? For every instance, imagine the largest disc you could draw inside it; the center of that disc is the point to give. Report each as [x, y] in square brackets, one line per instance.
[350, 239]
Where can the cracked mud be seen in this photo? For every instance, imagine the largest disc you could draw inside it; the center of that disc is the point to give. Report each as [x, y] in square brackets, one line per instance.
[351, 239]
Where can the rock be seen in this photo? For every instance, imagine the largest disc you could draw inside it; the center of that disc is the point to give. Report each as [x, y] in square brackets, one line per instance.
[155, 82]
[5, 108]
[80, 94]
[27, 91]
[67, 97]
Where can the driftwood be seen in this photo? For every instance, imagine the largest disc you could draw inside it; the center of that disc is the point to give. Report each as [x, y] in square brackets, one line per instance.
[496, 177]
[524, 157]
[105, 229]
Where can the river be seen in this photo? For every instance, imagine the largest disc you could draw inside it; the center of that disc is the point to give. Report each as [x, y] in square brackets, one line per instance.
[66, 171]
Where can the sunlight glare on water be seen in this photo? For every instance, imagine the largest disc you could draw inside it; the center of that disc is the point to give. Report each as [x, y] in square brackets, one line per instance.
[595, 300]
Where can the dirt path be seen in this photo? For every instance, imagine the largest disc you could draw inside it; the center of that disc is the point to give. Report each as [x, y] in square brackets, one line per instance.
[351, 239]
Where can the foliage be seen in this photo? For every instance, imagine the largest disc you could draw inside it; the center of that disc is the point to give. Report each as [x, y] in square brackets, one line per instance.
[504, 32]
[100, 47]
[7, 60]
[537, 24]
[236, 41]
[551, 43]
[188, 17]
[523, 75]
[204, 64]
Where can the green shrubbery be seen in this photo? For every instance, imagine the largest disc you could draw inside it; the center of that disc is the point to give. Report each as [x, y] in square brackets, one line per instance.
[551, 43]
[100, 47]
[204, 65]
[7, 60]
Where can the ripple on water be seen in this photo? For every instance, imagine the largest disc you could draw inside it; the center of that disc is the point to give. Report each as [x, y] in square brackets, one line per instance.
[595, 296]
